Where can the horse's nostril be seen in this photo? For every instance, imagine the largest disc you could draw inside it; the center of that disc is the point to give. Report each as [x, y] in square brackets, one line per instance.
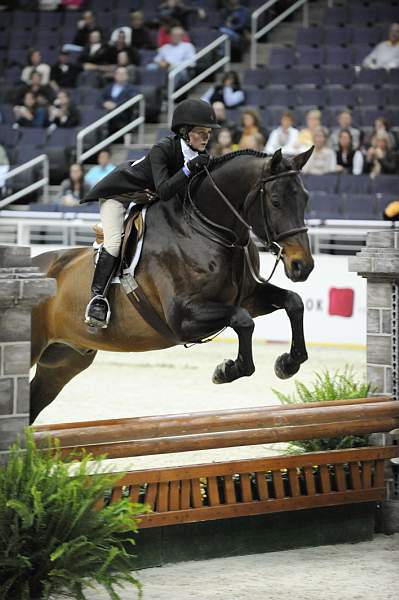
[296, 266]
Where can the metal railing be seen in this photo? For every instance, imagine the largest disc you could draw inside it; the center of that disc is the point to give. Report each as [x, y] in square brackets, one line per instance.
[224, 61]
[257, 34]
[138, 122]
[41, 183]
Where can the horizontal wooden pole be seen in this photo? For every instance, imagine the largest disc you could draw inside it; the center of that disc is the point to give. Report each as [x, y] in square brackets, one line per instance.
[227, 439]
[197, 423]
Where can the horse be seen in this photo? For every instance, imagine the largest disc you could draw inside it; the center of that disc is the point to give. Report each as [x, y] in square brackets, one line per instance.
[199, 269]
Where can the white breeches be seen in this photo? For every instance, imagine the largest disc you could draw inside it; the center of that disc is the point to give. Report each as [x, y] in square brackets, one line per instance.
[112, 215]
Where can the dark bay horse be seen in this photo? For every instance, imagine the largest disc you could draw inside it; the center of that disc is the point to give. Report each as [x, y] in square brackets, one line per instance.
[196, 282]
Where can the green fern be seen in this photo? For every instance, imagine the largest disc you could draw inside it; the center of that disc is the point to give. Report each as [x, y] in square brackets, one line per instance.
[52, 541]
[327, 386]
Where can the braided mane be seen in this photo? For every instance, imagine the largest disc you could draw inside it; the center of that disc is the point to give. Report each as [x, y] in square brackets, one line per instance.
[247, 152]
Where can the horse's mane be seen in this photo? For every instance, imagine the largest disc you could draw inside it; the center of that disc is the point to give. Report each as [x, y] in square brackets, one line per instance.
[247, 152]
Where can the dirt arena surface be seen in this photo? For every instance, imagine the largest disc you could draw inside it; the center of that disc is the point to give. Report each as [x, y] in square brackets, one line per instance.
[364, 571]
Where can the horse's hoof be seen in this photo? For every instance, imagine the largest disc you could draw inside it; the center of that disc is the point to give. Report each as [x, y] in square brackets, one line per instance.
[220, 374]
[285, 366]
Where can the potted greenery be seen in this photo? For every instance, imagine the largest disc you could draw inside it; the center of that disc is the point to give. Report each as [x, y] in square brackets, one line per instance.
[53, 543]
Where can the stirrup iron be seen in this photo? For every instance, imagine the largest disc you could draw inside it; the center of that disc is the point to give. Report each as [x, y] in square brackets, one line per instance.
[92, 321]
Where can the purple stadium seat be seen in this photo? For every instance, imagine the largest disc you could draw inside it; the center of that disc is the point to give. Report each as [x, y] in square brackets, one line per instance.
[50, 20]
[22, 39]
[321, 183]
[62, 136]
[393, 77]
[71, 17]
[310, 36]
[367, 15]
[25, 153]
[7, 113]
[355, 184]
[360, 207]
[8, 135]
[335, 55]
[49, 55]
[256, 97]
[387, 14]
[50, 39]
[12, 75]
[386, 184]
[369, 115]
[279, 76]
[17, 57]
[282, 57]
[147, 56]
[324, 205]
[338, 15]
[279, 96]
[203, 37]
[310, 56]
[369, 96]
[256, 77]
[337, 36]
[24, 20]
[90, 96]
[336, 75]
[309, 76]
[32, 136]
[88, 114]
[311, 97]
[5, 21]
[366, 35]
[373, 76]
[155, 78]
[342, 97]
[360, 52]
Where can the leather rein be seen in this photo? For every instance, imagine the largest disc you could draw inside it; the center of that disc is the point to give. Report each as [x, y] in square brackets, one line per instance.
[217, 233]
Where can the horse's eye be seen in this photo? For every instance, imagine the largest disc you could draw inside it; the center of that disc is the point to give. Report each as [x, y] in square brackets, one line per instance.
[276, 202]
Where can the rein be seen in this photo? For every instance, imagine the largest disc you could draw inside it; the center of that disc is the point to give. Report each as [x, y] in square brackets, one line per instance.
[214, 231]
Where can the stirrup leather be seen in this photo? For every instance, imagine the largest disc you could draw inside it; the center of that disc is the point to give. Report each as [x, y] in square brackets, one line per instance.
[92, 320]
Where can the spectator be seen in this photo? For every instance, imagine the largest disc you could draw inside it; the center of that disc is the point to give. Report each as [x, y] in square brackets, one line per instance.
[95, 53]
[119, 44]
[250, 125]
[381, 124]
[35, 64]
[252, 141]
[224, 143]
[236, 21]
[140, 37]
[229, 91]
[305, 136]
[63, 74]
[380, 159]
[175, 53]
[103, 167]
[30, 113]
[115, 94]
[344, 123]
[323, 159]
[222, 120]
[284, 137]
[349, 160]
[74, 188]
[386, 54]
[4, 167]
[178, 11]
[72, 4]
[44, 94]
[86, 25]
[63, 113]
[123, 60]
[164, 31]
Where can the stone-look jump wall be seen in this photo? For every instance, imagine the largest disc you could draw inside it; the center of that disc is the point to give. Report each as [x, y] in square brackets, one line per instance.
[21, 287]
[378, 262]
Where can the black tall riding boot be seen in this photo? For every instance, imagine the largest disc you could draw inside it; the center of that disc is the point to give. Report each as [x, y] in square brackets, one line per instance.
[98, 311]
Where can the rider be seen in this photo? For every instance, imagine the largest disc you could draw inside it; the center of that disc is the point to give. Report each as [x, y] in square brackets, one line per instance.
[164, 172]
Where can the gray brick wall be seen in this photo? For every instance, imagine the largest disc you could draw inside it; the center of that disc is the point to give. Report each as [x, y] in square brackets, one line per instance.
[21, 287]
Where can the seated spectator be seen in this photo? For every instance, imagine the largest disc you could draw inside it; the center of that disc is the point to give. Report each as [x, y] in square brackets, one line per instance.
[140, 36]
[95, 53]
[72, 4]
[349, 160]
[115, 94]
[229, 91]
[236, 21]
[344, 123]
[44, 94]
[386, 54]
[4, 167]
[103, 167]
[222, 120]
[63, 113]
[323, 159]
[224, 143]
[178, 11]
[123, 60]
[380, 159]
[250, 125]
[86, 25]
[30, 113]
[35, 64]
[63, 74]
[305, 136]
[173, 54]
[252, 141]
[119, 44]
[74, 187]
[164, 31]
[381, 124]
[284, 137]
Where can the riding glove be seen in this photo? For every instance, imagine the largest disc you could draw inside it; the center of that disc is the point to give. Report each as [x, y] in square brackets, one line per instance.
[196, 164]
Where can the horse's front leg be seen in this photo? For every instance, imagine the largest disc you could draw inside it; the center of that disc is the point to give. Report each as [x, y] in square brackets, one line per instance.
[266, 299]
[200, 319]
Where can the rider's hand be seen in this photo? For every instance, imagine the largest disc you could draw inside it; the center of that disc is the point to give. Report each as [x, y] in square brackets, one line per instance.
[196, 164]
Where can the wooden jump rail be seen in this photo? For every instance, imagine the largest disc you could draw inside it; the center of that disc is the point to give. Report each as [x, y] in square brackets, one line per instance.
[235, 488]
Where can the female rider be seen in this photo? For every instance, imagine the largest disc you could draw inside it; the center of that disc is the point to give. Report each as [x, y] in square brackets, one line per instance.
[164, 172]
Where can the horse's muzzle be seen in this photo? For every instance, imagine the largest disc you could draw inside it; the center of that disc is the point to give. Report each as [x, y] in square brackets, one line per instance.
[299, 270]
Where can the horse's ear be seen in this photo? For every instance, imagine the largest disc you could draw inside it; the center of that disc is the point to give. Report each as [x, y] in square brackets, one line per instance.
[275, 161]
[301, 160]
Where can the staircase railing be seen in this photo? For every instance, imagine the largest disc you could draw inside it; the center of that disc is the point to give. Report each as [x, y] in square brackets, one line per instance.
[40, 183]
[224, 61]
[138, 122]
[257, 34]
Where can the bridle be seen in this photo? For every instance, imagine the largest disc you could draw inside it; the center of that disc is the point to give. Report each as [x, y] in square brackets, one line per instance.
[217, 233]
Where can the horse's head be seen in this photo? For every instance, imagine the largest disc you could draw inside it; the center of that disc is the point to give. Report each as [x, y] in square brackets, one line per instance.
[276, 212]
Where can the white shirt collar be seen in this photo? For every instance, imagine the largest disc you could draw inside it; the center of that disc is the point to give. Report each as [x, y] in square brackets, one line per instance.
[188, 152]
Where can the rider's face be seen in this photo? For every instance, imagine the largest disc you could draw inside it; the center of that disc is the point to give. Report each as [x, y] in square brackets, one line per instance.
[199, 137]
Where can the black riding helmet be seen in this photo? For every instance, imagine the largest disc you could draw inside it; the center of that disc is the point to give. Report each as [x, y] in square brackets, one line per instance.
[193, 113]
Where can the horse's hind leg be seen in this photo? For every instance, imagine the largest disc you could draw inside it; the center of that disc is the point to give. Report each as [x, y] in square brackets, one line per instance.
[57, 365]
